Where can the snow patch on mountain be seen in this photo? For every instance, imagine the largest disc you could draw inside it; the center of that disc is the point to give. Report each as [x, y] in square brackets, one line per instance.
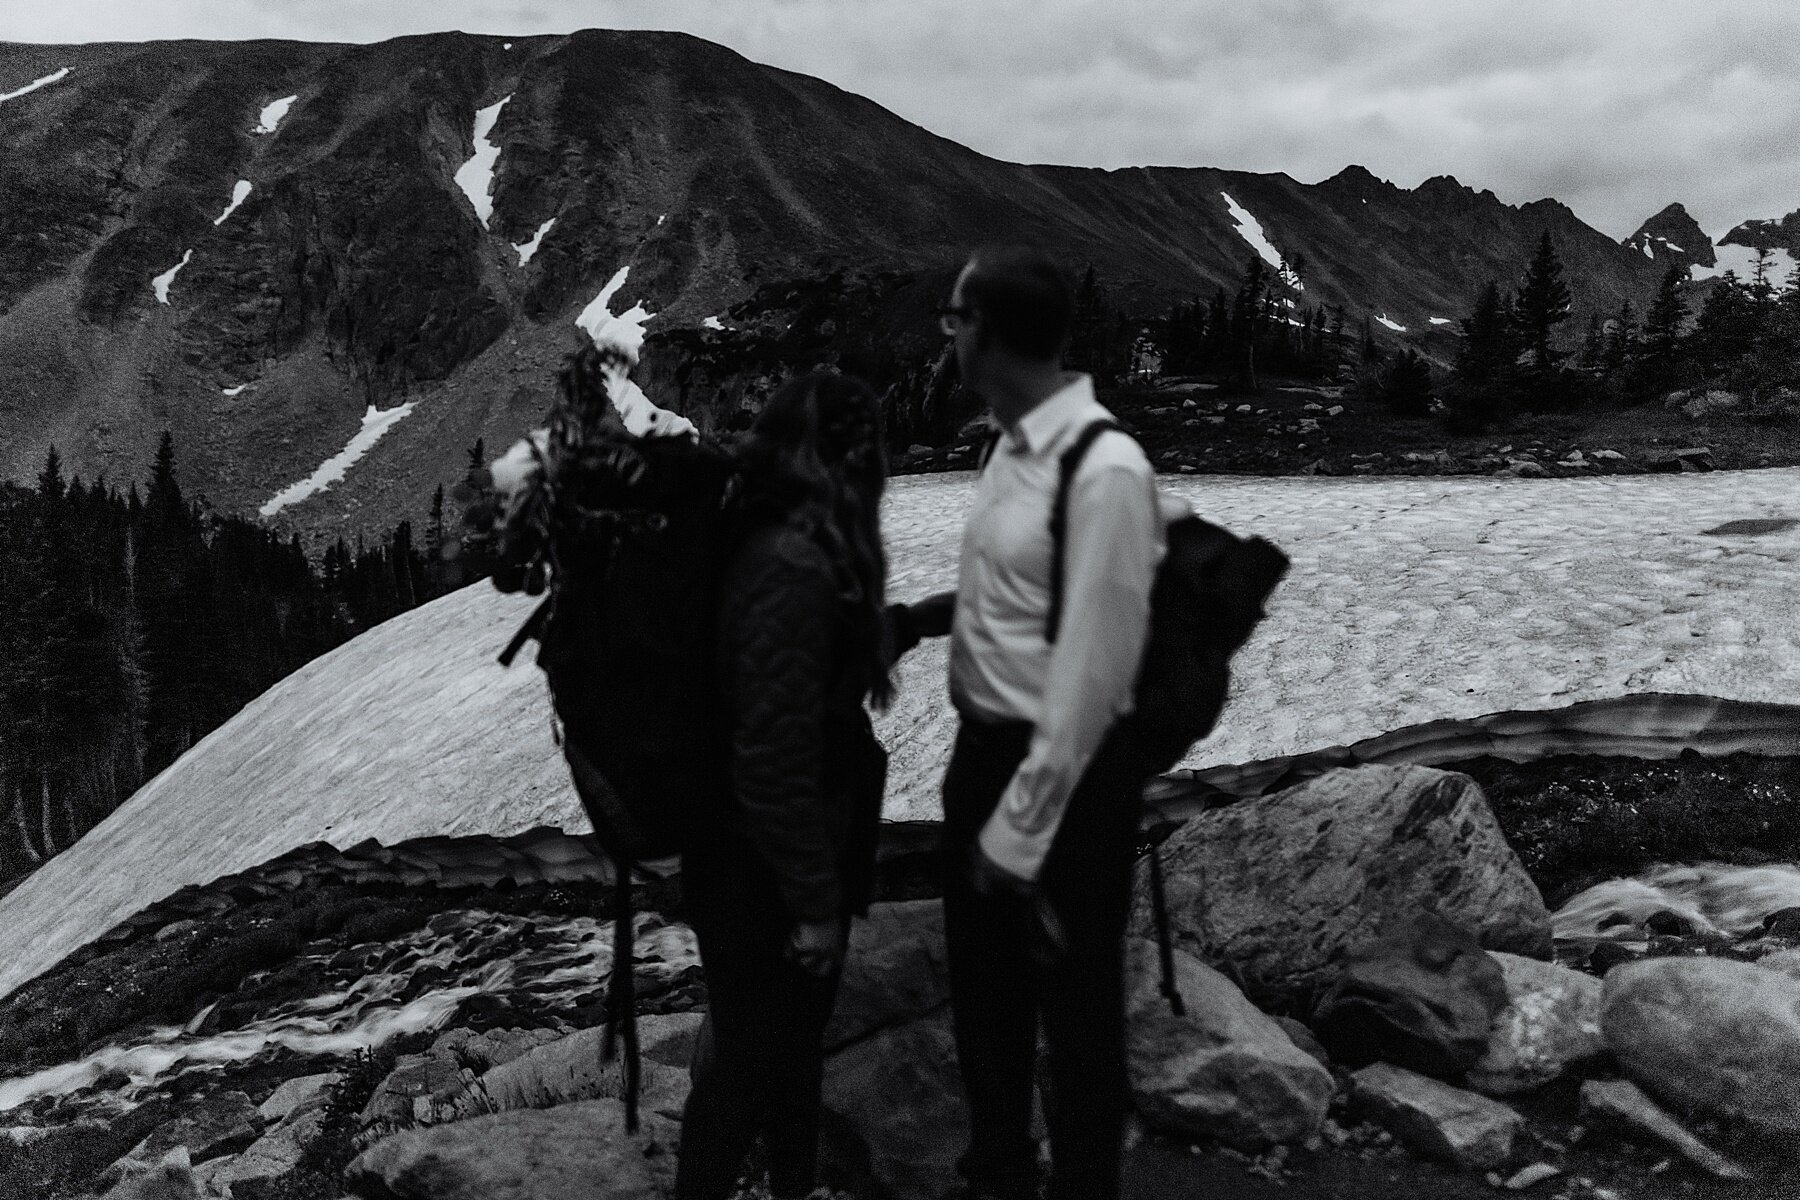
[626, 331]
[270, 117]
[712, 323]
[476, 177]
[1742, 260]
[161, 282]
[527, 249]
[375, 423]
[239, 194]
[1440, 320]
[1393, 325]
[232, 391]
[1251, 230]
[34, 85]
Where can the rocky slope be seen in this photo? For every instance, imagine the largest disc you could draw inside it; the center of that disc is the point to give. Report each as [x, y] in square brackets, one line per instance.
[1673, 235]
[253, 243]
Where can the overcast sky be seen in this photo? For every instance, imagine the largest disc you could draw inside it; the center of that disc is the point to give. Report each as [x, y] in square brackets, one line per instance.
[1615, 107]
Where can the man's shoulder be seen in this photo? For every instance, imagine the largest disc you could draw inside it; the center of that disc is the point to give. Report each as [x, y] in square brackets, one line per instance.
[1114, 448]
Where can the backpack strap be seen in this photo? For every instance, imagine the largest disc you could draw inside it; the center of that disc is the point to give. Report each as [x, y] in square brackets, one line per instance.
[988, 445]
[1059, 515]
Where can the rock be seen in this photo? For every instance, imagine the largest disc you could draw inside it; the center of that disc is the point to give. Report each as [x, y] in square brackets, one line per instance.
[23, 1135]
[570, 1069]
[1221, 1070]
[897, 1092]
[1709, 1035]
[1784, 922]
[1551, 1021]
[1285, 886]
[572, 1152]
[1608, 456]
[1435, 1120]
[272, 1155]
[298, 1095]
[1712, 403]
[1302, 1037]
[1334, 410]
[170, 1178]
[1530, 1176]
[223, 1123]
[1673, 924]
[1619, 1101]
[1787, 962]
[1526, 469]
[1423, 996]
[1688, 458]
[895, 970]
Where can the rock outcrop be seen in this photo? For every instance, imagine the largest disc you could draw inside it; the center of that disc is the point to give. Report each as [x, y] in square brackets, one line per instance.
[1284, 887]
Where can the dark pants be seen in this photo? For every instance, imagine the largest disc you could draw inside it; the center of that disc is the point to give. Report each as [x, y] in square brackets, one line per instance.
[766, 1018]
[1000, 988]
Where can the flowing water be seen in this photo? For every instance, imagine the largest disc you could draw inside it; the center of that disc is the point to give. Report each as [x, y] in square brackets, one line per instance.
[371, 994]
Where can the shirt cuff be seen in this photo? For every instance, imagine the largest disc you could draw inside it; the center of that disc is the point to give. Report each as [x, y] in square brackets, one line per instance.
[1016, 853]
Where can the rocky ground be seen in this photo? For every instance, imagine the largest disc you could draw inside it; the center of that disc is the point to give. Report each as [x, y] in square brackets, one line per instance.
[1192, 426]
[229, 1025]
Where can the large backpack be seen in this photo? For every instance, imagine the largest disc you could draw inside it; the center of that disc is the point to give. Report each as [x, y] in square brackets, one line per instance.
[626, 535]
[1207, 598]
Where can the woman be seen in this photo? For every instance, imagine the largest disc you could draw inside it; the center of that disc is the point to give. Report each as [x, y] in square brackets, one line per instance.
[773, 877]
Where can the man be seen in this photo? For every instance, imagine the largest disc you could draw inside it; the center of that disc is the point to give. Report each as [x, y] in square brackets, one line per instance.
[1040, 805]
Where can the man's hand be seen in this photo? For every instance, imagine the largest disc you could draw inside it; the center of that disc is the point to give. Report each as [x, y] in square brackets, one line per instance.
[988, 878]
[817, 947]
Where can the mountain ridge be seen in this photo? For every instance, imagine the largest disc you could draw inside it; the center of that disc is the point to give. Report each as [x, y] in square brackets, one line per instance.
[356, 273]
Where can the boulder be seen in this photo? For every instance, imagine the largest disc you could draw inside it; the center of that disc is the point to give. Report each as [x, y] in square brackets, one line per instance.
[222, 1123]
[299, 1095]
[1284, 886]
[1223, 1069]
[272, 1155]
[1435, 1120]
[571, 1069]
[571, 1152]
[1709, 1035]
[1422, 996]
[894, 971]
[1621, 1102]
[1551, 1021]
[898, 1094]
[169, 1178]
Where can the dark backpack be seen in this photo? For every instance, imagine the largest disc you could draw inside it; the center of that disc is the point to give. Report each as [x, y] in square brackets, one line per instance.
[1208, 596]
[627, 536]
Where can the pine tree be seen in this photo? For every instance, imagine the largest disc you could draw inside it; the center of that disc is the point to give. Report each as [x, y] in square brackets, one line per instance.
[1406, 387]
[1543, 303]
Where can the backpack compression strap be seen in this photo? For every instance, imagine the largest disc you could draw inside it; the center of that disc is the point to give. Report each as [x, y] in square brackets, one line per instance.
[1059, 516]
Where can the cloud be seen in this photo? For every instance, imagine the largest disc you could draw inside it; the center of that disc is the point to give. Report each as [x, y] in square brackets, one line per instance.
[1616, 107]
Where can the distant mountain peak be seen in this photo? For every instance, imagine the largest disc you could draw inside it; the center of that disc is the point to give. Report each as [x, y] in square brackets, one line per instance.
[1767, 234]
[1673, 235]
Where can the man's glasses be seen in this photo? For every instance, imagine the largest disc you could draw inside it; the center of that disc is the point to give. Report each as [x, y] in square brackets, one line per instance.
[953, 317]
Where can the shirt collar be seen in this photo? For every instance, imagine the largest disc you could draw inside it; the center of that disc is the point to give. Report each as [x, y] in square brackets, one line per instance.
[1045, 424]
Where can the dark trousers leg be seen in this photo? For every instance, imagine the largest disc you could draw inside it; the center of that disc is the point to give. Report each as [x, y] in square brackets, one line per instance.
[999, 990]
[767, 1022]
[993, 998]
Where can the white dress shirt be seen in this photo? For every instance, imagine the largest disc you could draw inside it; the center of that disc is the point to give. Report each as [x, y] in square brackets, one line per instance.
[1001, 668]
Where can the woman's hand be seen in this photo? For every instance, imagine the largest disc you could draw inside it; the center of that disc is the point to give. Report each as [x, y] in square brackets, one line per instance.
[817, 947]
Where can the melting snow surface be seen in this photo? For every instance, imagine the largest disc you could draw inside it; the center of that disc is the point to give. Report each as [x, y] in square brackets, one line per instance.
[232, 391]
[238, 195]
[34, 85]
[527, 249]
[161, 282]
[375, 422]
[1742, 259]
[476, 177]
[1252, 231]
[712, 323]
[1648, 252]
[272, 113]
[626, 331]
[1439, 320]
[1395, 326]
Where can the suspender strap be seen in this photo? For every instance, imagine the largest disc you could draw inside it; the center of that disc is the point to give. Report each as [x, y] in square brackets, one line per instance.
[986, 452]
[1059, 517]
